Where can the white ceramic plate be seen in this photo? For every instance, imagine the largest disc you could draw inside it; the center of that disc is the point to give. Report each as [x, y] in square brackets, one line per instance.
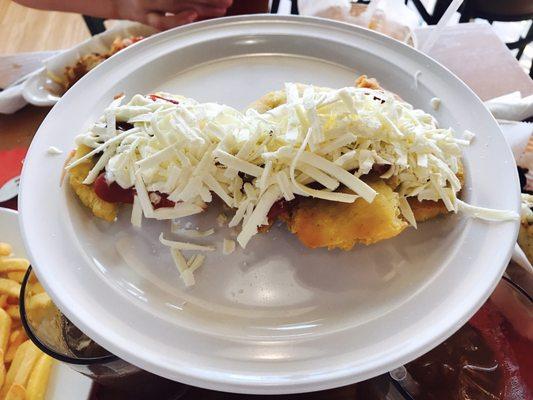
[41, 91]
[35, 90]
[64, 383]
[277, 317]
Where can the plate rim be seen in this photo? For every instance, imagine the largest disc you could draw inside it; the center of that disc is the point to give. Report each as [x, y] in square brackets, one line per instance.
[338, 376]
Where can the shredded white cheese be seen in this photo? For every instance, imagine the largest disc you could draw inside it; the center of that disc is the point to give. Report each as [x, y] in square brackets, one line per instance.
[53, 151]
[228, 246]
[407, 212]
[185, 272]
[136, 212]
[195, 262]
[487, 214]
[435, 103]
[193, 233]
[184, 245]
[189, 151]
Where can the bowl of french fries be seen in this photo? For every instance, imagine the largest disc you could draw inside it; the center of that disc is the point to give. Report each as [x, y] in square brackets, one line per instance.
[58, 337]
[54, 334]
[37, 340]
[25, 369]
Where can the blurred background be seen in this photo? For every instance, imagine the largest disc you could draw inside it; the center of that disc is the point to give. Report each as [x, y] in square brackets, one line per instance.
[25, 30]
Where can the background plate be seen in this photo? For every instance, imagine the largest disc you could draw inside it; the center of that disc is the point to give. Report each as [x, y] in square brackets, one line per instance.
[276, 317]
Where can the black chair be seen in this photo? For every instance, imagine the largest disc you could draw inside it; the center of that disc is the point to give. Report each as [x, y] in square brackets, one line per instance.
[274, 7]
[430, 19]
[95, 25]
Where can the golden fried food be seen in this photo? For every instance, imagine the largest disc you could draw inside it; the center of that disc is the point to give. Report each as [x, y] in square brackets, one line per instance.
[87, 62]
[276, 98]
[322, 223]
[365, 82]
[426, 209]
[269, 101]
[316, 222]
[86, 193]
[22, 374]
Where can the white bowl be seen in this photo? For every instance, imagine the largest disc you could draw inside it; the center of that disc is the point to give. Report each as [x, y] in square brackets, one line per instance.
[277, 317]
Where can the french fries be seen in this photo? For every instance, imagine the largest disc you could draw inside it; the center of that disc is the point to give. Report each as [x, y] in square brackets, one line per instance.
[9, 287]
[16, 276]
[16, 392]
[39, 300]
[13, 311]
[13, 265]
[36, 288]
[36, 387]
[13, 369]
[31, 354]
[2, 372]
[5, 329]
[24, 369]
[17, 337]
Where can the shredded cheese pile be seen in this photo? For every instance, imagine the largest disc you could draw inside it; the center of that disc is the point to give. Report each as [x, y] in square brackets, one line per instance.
[191, 150]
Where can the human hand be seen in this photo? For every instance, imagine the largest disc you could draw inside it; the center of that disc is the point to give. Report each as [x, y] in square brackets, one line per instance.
[166, 14]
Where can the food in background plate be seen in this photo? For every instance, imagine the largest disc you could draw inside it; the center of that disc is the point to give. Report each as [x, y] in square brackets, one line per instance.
[73, 73]
[339, 166]
[24, 369]
[525, 236]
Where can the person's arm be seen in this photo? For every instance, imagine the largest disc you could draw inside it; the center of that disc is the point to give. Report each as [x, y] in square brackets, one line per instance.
[161, 14]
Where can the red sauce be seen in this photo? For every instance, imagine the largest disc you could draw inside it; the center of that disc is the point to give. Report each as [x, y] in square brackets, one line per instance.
[280, 208]
[123, 126]
[485, 360]
[380, 169]
[154, 97]
[512, 351]
[163, 201]
[114, 193]
[464, 367]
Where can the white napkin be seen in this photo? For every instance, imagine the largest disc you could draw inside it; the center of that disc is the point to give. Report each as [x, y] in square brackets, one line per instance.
[511, 106]
[517, 135]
